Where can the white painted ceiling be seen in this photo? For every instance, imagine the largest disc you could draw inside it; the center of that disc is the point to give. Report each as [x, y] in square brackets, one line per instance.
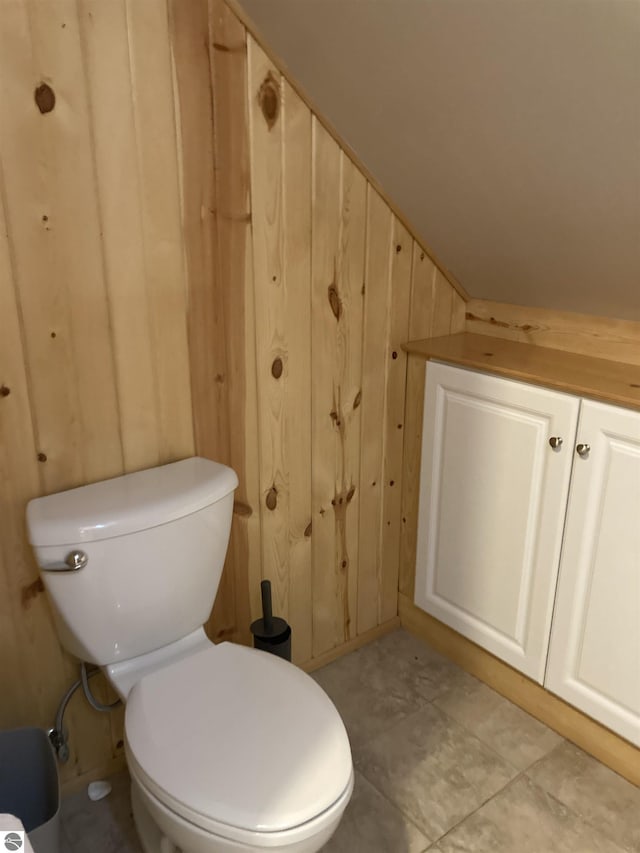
[506, 131]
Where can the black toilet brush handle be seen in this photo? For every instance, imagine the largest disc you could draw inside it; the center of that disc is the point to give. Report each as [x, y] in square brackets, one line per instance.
[267, 615]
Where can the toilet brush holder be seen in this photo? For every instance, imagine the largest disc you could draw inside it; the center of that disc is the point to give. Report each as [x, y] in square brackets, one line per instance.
[271, 634]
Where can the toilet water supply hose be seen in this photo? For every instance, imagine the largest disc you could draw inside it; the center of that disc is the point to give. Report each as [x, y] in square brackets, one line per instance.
[57, 734]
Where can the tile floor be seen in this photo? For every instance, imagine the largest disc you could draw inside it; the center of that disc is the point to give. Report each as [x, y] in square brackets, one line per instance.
[443, 763]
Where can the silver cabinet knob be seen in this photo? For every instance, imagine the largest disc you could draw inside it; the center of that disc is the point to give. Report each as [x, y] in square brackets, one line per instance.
[583, 450]
[556, 442]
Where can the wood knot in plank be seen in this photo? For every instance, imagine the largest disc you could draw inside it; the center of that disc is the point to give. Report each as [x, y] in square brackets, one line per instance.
[276, 368]
[4, 391]
[269, 99]
[42, 457]
[28, 593]
[340, 500]
[335, 417]
[242, 509]
[357, 400]
[45, 98]
[501, 323]
[308, 529]
[272, 498]
[334, 301]
[229, 48]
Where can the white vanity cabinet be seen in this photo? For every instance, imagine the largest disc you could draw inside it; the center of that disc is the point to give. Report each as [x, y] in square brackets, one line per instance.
[499, 529]
[594, 656]
[493, 493]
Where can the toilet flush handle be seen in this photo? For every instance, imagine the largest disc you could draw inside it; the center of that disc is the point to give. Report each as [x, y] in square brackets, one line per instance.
[74, 561]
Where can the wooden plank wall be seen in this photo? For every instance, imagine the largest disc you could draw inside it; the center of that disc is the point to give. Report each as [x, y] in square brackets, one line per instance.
[312, 276]
[190, 262]
[94, 366]
[602, 337]
[436, 309]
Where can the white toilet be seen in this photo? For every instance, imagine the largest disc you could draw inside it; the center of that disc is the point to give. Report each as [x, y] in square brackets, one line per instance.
[229, 749]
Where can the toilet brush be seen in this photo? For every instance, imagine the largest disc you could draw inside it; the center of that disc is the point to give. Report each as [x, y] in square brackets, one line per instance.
[271, 633]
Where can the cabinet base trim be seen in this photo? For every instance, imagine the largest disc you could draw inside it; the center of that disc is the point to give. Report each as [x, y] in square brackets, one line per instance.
[598, 741]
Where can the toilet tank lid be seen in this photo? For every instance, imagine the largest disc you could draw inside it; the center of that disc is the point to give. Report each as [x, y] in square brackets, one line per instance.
[129, 503]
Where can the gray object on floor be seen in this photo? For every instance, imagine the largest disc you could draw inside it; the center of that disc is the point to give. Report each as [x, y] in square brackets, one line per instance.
[29, 786]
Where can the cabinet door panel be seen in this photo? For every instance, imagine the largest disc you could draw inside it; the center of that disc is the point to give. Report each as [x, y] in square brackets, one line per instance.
[594, 658]
[492, 503]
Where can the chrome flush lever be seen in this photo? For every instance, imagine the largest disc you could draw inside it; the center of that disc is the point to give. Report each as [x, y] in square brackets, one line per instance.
[74, 561]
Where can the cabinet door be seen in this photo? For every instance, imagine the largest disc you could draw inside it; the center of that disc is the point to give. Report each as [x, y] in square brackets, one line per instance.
[493, 496]
[594, 658]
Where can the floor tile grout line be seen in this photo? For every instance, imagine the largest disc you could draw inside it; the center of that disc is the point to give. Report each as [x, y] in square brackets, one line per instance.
[519, 773]
[544, 757]
[480, 806]
[492, 749]
[576, 814]
[523, 774]
[434, 701]
[398, 809]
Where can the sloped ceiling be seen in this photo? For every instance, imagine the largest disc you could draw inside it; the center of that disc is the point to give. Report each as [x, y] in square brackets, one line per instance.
[506, 131]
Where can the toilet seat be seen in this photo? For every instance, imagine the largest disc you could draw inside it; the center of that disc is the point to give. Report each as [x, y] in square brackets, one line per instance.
[238, 743]
[222, 837]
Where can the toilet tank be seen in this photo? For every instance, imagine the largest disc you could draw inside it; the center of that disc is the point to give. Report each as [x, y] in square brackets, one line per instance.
[155, 543]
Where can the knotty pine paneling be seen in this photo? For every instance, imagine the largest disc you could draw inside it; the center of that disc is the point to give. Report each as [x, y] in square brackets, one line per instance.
[190, 262]
[338, 258]
[93, 349]
[317, 281]
[601, 337]
[436, 309]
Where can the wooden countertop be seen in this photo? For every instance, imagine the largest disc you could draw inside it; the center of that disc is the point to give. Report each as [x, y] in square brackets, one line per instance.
[598, 378]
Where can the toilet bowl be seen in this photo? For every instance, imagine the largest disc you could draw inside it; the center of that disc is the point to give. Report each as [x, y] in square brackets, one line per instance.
[254, 755]
[228, 748]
